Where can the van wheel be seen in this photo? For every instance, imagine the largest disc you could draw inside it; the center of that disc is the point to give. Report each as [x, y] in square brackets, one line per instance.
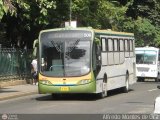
[157, 79]
[141, 79]
[126, 88]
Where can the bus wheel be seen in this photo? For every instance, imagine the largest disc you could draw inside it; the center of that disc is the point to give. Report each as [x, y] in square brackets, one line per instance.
[126, 88]
[104, 88]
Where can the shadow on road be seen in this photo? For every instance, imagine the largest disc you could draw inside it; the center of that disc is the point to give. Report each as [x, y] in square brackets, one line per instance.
[78, 97]
[118, 92]
[68, 97]
[7, 90]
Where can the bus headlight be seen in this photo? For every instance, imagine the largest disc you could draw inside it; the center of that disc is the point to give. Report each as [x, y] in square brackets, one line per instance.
[45, 82]
[84, 81]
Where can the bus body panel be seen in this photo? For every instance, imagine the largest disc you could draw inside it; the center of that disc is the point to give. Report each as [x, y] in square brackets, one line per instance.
[67, 85]
[116, 65]
[116, 75]
[86, 88]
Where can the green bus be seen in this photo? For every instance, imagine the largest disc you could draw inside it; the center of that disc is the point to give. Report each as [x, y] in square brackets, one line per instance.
[85, 60]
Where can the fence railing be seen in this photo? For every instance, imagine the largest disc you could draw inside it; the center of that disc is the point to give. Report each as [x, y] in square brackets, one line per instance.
[15, 63]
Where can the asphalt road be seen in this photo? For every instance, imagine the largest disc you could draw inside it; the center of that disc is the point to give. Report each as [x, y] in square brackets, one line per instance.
[140, 99]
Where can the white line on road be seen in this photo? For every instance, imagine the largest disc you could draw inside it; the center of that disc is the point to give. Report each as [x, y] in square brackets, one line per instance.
[152, 90]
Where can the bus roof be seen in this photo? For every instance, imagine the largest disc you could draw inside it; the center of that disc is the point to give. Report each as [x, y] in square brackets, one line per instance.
[97, 31]
[110, 32]
[146, 48]
[67, 28]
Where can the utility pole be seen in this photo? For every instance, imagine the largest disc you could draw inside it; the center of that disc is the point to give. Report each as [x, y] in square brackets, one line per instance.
[70, 12]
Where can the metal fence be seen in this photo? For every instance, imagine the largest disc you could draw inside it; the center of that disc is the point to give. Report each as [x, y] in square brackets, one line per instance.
[15, 64]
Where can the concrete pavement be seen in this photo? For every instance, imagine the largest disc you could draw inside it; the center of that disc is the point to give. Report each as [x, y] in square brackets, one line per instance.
[17, 91]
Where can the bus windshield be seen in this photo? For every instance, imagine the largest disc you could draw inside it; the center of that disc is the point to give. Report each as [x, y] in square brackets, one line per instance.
[65, 53]
[146, 57]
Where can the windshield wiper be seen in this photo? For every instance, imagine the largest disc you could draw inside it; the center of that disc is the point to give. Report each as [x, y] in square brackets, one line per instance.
[58, 47]
[71, 47]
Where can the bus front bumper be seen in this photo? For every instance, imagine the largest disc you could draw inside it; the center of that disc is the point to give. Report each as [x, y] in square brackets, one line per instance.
[84, 88]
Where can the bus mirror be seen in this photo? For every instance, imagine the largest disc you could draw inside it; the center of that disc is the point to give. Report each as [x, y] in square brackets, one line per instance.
[158, 86]
[97, 40]
[35, 43]
[98, 50]
[35, 47]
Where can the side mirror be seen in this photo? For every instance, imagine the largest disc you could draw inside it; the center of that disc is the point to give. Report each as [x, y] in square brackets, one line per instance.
[158, 86]
[35, 47]
[98, 50]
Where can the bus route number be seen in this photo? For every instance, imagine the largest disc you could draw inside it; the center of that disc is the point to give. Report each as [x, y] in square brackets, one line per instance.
[87, 35]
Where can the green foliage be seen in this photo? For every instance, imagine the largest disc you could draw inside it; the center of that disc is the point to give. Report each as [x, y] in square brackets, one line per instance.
[44, 6]
[145, 32]
[157, 37]
[1, 9]
[31, 16]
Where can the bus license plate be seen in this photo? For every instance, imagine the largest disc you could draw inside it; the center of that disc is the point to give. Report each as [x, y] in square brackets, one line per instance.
[65, 88]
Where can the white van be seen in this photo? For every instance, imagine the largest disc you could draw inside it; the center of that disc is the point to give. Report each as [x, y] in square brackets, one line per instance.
[147, 63]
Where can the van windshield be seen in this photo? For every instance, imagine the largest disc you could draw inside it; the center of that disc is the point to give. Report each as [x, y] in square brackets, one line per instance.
[146, 57]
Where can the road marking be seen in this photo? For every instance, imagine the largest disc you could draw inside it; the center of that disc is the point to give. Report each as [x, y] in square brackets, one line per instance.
[152, 90]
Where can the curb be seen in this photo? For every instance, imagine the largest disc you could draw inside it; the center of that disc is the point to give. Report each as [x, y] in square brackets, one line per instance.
[12, 83]
[6, 97]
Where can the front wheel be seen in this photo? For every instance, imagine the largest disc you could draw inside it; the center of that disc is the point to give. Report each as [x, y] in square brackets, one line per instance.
[103, 94]
[141, 79]
[157, 78]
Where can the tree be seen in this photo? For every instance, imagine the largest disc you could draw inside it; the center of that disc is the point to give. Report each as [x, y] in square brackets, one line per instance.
[5, 7]
[144, 31]
[145, 15]
[28, 18]
[23, 19]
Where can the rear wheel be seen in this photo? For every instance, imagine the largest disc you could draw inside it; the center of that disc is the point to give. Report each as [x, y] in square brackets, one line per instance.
[126, 88]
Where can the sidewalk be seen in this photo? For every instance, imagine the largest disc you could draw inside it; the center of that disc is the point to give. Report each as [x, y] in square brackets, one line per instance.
[17, 91]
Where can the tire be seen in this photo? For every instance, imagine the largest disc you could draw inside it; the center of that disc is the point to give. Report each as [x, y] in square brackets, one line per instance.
[141, 79]
[157, 79]
[126, 88]
[103, 94]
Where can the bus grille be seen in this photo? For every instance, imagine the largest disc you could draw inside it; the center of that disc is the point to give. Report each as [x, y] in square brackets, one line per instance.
[142, 69]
